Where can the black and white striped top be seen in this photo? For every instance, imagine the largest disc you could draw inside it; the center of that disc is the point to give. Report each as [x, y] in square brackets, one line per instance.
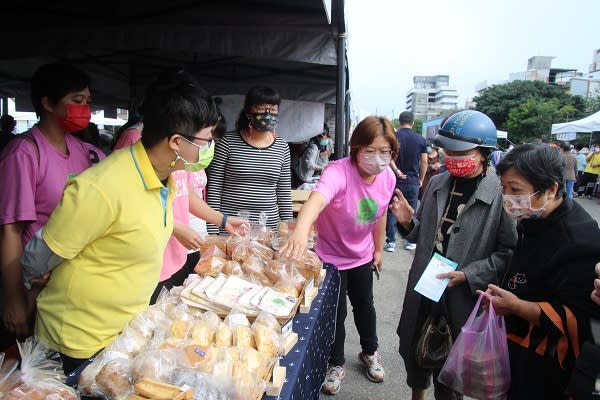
[244, 177]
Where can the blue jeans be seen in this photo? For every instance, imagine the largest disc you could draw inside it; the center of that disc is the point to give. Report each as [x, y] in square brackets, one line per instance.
[411, 194]
[569, 188]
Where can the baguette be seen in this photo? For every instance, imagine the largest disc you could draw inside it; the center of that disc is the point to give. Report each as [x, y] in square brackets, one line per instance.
[161, 391]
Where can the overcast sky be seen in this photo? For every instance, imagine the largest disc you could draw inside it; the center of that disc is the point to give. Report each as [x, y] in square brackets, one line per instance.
[390, 41]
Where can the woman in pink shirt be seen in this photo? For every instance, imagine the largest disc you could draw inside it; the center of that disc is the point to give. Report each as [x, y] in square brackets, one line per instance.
[349, 206]
[36, 166]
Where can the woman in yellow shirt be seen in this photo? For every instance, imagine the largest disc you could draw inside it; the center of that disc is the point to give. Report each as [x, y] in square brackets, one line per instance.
[591, 171]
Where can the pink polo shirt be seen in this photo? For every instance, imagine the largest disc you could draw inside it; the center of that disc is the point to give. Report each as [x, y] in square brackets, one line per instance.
[175, 254]
[33, 180]
[346, 224]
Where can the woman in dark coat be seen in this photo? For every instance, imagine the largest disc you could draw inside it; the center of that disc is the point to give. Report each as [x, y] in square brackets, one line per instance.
[545, 295]
[461, 218]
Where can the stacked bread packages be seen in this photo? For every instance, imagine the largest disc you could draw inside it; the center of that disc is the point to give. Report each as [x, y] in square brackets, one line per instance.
[183, 353]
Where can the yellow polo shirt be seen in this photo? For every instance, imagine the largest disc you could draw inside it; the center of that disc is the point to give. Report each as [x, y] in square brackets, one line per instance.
[594, 159]
[111, 226]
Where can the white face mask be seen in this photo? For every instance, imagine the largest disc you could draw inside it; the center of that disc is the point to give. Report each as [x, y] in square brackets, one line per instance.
[518, 206]
[373, 165]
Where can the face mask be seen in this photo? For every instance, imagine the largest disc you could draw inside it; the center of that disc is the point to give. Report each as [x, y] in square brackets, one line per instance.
[518, 206]
[263, 122]
[77, 119]
[373, 165]
[205, 156]
[462, 166]
[324, 142]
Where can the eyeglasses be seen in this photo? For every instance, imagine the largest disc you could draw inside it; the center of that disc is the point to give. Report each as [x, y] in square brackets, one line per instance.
[371, 152]
[191, 139]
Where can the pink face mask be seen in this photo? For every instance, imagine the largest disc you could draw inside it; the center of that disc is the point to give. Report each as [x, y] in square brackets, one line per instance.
[462, 166]
[518, 206]
[77, 119]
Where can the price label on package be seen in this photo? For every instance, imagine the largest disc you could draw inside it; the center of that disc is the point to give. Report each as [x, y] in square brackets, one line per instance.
[287, 328]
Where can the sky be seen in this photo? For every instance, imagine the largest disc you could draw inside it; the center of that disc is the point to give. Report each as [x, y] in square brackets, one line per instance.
[390, 41]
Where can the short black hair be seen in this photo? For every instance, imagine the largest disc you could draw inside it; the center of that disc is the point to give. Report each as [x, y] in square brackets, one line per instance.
[7, 122]
[176, 104]
[406, 117]
[257, 95]
[56, 80]
[540, 164]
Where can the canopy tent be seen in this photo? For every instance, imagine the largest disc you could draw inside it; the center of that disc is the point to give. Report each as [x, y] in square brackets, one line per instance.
[296, 47]
[590, 123]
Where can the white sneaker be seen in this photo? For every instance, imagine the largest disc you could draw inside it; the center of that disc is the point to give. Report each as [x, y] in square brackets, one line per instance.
[410, 246]
[390, 247]
[375, 371]
[333, 379]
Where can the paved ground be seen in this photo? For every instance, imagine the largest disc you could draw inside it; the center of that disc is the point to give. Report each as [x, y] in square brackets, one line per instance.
[389, 292]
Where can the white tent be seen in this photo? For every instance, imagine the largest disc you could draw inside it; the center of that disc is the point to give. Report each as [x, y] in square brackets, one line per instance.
[590, 123]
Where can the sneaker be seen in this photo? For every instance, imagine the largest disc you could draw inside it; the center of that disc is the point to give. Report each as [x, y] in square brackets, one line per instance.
[410, 246]
[375, 371]
[333, 379]
[390, 247]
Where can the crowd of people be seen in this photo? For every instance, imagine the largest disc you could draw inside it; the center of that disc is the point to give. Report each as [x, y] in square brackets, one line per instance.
[87, 241]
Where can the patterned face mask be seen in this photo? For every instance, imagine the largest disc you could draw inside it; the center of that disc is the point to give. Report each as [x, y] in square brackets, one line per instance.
[518, 206]
[462, 166]
[263, 121]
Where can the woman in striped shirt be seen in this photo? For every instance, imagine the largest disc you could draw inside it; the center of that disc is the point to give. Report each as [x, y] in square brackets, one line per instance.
[251, 166]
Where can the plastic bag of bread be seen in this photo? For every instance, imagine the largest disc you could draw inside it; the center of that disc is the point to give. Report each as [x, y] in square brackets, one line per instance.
[214, 240]
[210, 265]
[273, 270]
[268, 320]
[223, 335]
[214, 251]
[247, 385]
[256, 267]
[129, 342]
[240, 328]
[142, 324]
[148, 388]
[255, 362]
[233, 243]
[40, 377]
[157, 364]
[249, 248]
[158, 317]
[233, 268]
[201, 358]
[314, 263]
[203, 385]
[113, 379]
[291, 282]
[202, 333]
[267, 334]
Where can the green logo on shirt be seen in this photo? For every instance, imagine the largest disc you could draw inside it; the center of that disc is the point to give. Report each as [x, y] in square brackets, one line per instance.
[367, 211]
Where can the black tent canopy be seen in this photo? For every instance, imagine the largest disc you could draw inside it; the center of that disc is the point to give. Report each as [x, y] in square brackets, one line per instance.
[295, 46]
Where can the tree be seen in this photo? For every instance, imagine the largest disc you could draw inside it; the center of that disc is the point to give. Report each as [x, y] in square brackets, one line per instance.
[498, 100]
[533, 119]
[592, 102]
[418, 127]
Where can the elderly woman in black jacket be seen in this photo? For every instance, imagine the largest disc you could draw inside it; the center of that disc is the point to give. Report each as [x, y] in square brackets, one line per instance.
[545, 295]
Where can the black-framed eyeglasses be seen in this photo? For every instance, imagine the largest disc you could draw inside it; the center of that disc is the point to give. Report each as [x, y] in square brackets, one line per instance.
[209, 142]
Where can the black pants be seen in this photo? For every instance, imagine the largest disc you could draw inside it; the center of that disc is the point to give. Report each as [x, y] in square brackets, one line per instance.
[588, 179]
[178, 277]
[358, 284]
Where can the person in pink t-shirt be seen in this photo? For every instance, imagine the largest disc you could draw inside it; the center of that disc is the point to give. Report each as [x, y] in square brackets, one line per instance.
[36, 166]
[349, 206]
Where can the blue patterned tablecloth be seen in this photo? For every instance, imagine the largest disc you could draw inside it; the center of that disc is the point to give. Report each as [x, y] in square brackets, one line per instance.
[306, 363]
